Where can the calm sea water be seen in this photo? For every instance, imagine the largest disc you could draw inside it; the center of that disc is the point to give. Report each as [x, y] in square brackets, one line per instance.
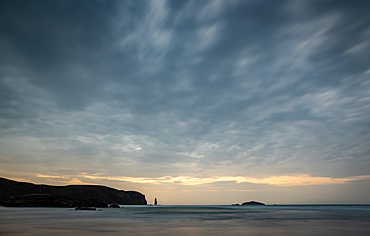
[189, 220]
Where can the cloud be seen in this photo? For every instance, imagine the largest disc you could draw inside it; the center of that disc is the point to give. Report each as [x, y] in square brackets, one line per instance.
[146, 36]
[197, 89]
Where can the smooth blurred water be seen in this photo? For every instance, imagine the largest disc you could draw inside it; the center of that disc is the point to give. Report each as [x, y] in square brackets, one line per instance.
[189, 220]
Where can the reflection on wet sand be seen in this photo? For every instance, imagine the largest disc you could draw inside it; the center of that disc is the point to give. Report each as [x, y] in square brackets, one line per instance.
[183, 221]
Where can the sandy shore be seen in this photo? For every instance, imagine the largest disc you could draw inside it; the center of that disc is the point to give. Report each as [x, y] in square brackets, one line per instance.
[59, 221]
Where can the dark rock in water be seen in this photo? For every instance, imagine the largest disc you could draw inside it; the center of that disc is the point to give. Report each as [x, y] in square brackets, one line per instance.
[9, 188]
[236, 204]
[86, 208]
[49, 200]
[253, 203]
[114, 206]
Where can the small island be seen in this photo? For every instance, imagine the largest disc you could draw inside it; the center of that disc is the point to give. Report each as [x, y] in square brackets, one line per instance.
[250, 203]
[253, 203]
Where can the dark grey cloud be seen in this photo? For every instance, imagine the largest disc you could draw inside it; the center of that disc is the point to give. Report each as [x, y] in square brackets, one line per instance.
[185, 87]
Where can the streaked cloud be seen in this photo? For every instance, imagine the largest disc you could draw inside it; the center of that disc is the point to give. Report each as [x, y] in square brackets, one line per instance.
[185, 93]
[297, 180]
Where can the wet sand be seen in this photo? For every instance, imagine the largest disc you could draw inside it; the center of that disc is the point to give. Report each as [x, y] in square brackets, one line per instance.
[59, 221]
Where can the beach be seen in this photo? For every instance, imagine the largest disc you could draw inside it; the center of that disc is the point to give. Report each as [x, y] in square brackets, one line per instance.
[189, 220]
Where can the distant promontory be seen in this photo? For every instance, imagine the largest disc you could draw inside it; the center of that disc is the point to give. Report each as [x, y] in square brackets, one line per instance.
[22, 194]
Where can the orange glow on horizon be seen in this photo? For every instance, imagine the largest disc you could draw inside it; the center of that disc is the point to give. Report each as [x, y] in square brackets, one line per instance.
[284, 180]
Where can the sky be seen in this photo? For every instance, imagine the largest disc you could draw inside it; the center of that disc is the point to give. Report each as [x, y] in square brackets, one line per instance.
[189, 102]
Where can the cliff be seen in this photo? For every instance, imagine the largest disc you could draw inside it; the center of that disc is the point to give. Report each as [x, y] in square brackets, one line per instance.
[10, 189]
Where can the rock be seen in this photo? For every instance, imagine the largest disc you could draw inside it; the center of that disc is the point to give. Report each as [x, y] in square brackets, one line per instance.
[236, 204]
[253, 203]
[114, 206]
[86, 208]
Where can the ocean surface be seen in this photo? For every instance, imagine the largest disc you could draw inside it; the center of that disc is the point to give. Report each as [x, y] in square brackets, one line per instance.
[189, 220]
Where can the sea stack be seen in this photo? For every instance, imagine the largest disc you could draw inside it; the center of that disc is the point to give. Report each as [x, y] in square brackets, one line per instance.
[155, 201]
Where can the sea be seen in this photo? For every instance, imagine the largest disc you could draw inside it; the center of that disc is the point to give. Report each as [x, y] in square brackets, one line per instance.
[274, 220]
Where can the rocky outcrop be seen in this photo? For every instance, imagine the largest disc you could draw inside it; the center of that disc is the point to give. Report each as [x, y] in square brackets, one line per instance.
[114, 206]
[58, 194]
[85, 208]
